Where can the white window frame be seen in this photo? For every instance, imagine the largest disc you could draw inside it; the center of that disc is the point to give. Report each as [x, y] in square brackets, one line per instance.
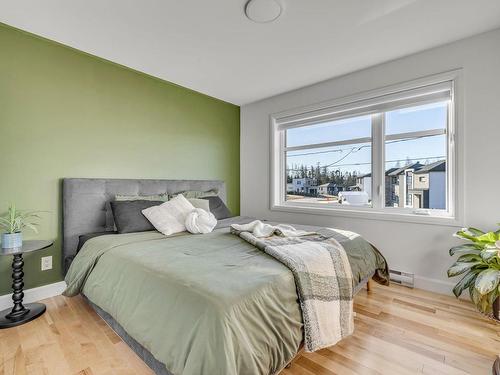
[356, 105]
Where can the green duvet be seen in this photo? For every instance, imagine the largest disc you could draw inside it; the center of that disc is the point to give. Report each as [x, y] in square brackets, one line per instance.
[202, 304]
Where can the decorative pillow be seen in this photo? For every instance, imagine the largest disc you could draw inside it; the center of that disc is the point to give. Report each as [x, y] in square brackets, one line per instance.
[157, 197]
[218, 208]
[110, 221]
[200, 221]
[189, 194]
[128, 215]
[169, 217]
[200, 203]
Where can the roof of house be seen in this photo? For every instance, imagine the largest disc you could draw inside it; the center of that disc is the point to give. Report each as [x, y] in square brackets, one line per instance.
[387, 172]
[328, 184]
[438, 166]
[397, 171]
[390, 170]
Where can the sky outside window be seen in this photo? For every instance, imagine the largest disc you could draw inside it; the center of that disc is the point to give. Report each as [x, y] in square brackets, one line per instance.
[357, 158]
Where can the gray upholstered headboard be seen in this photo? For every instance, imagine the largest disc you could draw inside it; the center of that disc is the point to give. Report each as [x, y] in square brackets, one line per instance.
[86, 203]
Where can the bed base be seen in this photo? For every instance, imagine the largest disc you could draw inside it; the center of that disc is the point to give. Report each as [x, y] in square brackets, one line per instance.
[369, 285]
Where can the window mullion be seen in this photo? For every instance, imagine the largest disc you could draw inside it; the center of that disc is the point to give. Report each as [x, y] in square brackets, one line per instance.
[329, 144]
[378, 160]
[417, 134]
[282, 167]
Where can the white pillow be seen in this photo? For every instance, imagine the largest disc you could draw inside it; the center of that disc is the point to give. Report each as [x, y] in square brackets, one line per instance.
[169, 217]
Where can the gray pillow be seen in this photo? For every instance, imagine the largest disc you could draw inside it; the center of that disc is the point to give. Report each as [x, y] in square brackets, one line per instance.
[129, 218]
[85, 237]
[218, 208]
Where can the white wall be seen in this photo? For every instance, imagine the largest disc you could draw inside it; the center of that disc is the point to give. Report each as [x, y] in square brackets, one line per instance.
[418, 248]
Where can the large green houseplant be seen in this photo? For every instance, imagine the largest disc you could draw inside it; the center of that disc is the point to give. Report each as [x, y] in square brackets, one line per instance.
[13, 222]
[479, 263]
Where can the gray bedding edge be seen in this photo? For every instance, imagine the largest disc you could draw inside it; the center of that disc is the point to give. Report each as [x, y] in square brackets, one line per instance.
[148, 358]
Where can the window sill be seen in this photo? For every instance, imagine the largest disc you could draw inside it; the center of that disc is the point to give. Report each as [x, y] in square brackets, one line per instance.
[369, 214]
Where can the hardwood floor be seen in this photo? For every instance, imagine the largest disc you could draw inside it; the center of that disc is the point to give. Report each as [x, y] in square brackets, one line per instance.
[398, 331]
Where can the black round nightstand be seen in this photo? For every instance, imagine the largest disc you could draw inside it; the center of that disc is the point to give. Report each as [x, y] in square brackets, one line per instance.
[20, 313]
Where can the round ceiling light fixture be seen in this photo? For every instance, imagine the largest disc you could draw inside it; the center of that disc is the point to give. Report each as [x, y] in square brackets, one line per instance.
[263, 11]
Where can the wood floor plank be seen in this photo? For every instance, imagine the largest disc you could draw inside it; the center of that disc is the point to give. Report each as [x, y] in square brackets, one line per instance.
[397, 331]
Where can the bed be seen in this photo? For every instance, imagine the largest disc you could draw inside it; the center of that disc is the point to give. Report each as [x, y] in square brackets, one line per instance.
[190, 304]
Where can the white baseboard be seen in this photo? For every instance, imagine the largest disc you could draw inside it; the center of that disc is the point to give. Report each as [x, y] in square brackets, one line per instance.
[34, 294]
[434, 285]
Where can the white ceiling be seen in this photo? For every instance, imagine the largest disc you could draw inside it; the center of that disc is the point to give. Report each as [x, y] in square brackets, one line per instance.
[209, 45]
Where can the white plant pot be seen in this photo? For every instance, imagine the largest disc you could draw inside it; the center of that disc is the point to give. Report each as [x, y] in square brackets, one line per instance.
[12, 240]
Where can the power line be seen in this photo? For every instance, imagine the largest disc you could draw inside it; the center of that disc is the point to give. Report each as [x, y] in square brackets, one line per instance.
[368, 163]
[359, 148]
[335, 162]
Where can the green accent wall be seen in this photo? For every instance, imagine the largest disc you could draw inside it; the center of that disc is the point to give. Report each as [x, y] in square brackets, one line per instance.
[64, 113]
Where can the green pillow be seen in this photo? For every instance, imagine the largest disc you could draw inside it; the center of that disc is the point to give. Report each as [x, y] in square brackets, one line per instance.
[200, 203]
[157, 197]
[190, 194]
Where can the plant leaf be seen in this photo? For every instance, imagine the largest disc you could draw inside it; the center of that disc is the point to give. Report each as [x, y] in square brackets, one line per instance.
[488, 253]
[474, 295]
[458, 268]
[32, 227]
[492, 296]
[475, 231]
[465, 282]
[487, 281]
[14, 220]
[484, 304]
[466, 248]
[469, 258]
[468, 236]
[489, 237]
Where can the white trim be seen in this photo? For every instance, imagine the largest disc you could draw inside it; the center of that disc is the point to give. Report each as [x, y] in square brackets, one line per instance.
[378, 161]
[407, 216]
[456, 152]
[35, 294]
[419, 134]
[383, 91]
[365, 107]
[455, 214]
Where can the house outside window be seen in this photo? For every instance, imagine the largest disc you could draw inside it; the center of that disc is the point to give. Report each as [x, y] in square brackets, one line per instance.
[387, 154]
[409, 186]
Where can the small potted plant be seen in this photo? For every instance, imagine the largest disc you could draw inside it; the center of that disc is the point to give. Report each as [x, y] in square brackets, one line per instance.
[12, 224]
[479, 262]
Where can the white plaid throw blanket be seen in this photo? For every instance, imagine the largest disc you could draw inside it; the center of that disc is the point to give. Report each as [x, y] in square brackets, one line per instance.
[323, 279]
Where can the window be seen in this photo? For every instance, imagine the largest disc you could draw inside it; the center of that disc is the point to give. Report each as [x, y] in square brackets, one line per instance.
[390, 153]
[416, 140]
[343, 162]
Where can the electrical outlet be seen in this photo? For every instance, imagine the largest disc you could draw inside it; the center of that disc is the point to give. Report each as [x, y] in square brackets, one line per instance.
[46, 263]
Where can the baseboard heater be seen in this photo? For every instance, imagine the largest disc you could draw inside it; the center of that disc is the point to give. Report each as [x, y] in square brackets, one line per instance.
[402, 278]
